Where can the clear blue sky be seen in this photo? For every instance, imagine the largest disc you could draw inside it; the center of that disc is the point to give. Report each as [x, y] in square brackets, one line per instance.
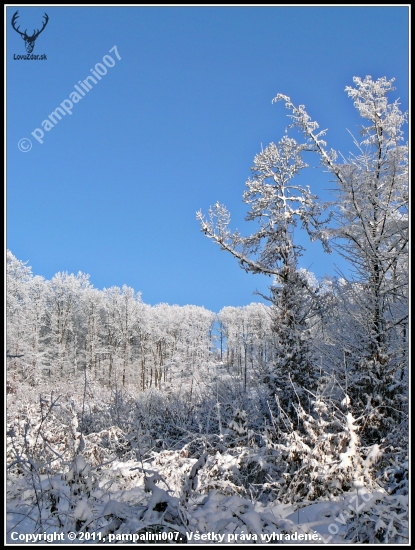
[173, 127]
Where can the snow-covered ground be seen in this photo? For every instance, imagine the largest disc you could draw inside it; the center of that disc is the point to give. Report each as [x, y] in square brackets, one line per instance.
[106, 487]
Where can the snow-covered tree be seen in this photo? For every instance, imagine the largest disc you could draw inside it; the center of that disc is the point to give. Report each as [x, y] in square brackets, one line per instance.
[123, 307]
[17, 277]
[278, 205]
[371, 232]
[93, 343]
[63, 322]
[249, 339]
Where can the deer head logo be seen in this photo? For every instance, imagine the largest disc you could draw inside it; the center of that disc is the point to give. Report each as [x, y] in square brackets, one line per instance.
[29, 41]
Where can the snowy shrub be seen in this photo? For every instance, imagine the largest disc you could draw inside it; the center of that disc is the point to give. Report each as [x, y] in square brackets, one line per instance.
[40, 436]
[394, 474]
[320, 457]
[383, 519]
[392, 470]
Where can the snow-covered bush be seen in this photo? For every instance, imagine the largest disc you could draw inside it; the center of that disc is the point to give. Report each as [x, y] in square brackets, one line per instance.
[383, 519]
[320, 457]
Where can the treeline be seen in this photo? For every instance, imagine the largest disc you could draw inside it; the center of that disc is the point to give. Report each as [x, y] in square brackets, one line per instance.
[59, 329]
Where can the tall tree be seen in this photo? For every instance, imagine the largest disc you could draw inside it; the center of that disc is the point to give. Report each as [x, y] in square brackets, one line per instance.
[278, 205]
[63, 322]
[371, 232]
[18, 275]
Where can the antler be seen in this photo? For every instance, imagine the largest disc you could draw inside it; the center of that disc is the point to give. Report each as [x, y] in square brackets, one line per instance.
[15, 16]
[36, 33]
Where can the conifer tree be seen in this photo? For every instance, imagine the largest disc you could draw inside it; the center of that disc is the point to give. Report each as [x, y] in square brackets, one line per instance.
[371, 232]
[278, 205]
